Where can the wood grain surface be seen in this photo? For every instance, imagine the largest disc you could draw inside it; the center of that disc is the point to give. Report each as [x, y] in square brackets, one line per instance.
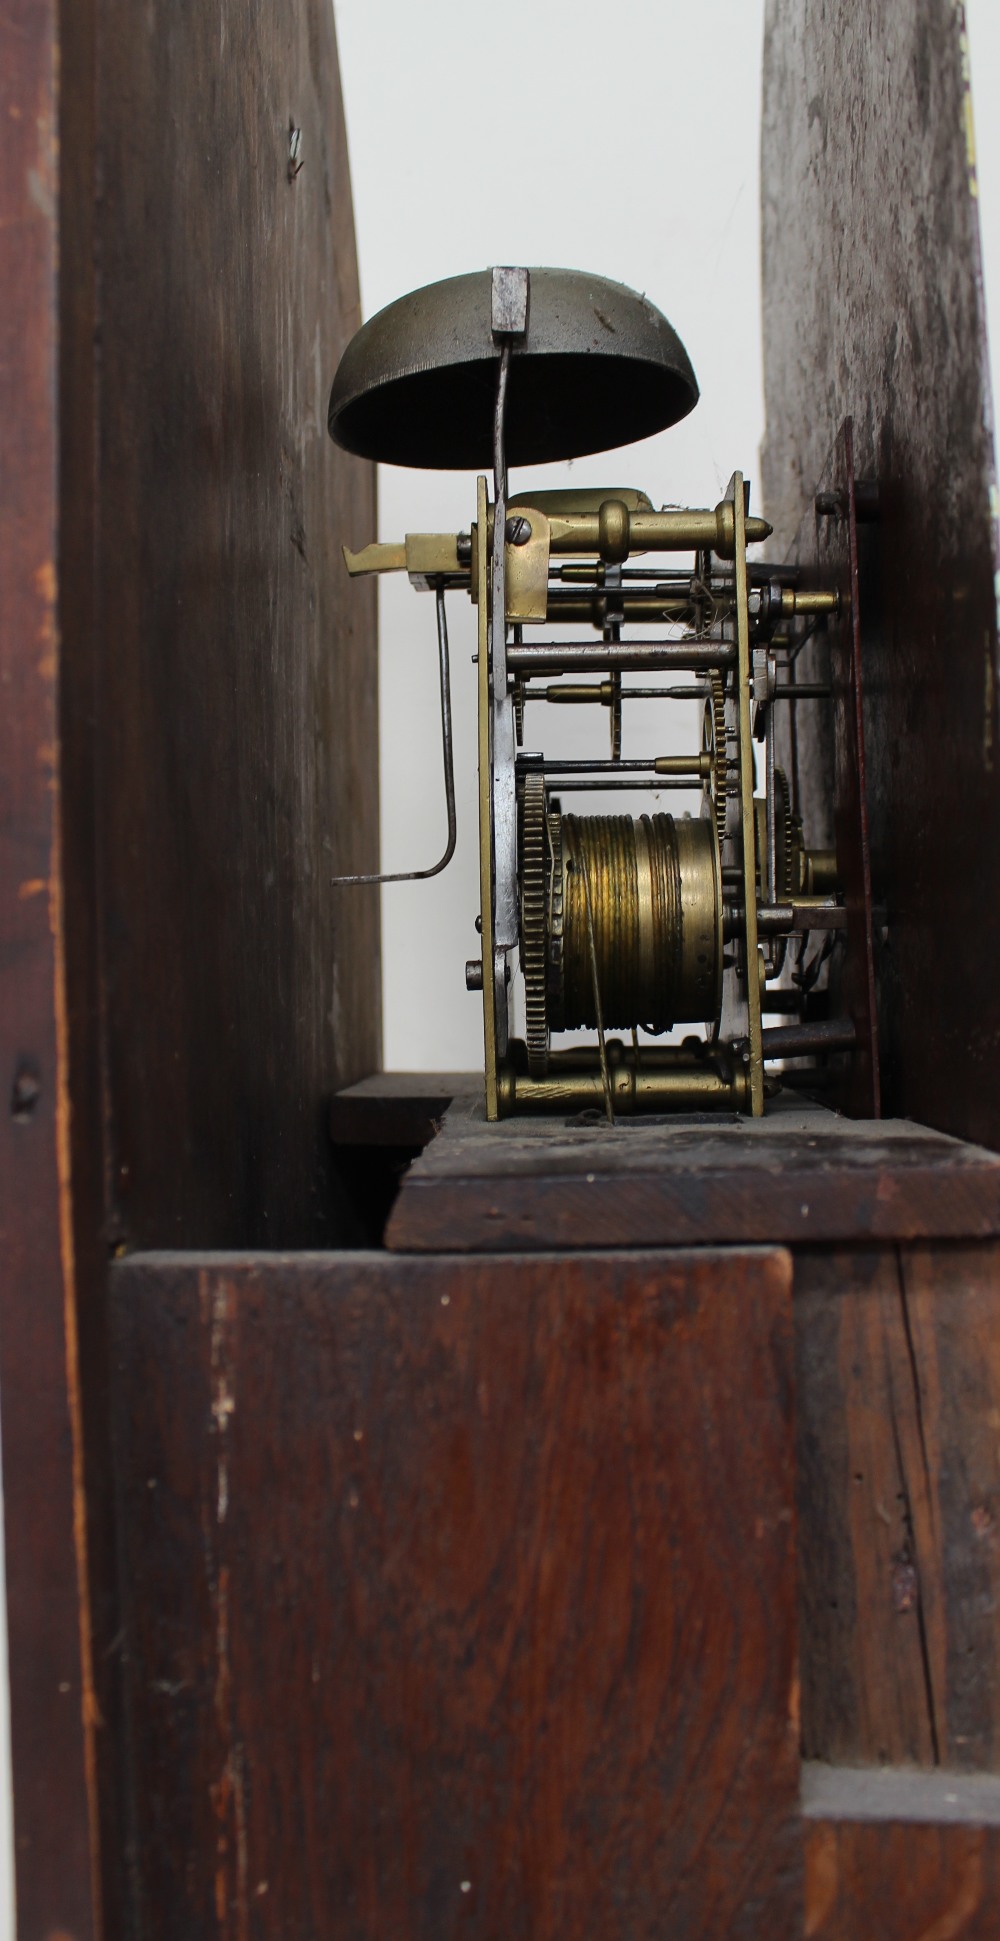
[860, 1090]
[53, 1710]
[899, 1882]
[898, 1409]
[873, 310]
[461, 1596]
[799, 1175]
[180, 990]
[236, 763]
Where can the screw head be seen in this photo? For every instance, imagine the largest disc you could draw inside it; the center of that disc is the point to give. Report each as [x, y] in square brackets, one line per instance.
[517, 530]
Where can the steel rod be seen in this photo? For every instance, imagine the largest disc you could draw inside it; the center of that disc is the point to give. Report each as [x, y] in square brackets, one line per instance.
[797, 1040]
[692, 691]
[538, 765]
[575, 784]
[421, 875]
[643, 655]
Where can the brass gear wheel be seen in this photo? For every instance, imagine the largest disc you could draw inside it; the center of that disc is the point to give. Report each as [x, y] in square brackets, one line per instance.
[788, 833]
[519, 713]
[787, 870]
[713, 741]
[533, 928]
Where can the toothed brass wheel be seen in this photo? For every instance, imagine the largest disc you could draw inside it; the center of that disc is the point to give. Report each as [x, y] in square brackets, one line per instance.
[713, 741]
[533, 926]
[788, 841]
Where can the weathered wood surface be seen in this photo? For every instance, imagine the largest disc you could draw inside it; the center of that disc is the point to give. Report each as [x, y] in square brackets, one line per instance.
[801, 1174]
[461, 1595]
[894, 1881]
[873, 310]
[236, 735]
[52, 1710]
[898, 1413]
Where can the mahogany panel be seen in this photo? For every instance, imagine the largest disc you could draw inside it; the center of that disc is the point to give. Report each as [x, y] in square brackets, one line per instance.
[52, 1704]
[901, 1882]
[236, 762]
[898, 1402]
[460, 1595]
[79, 706]
[180, 990]
[873, 311]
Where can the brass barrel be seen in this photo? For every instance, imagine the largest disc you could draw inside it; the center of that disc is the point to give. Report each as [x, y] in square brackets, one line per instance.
[697, 1087]
[819, 871]
[615, 531]
[642, 901]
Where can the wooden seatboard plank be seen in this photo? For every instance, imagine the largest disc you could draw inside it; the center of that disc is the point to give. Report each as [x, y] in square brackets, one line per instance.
[461, 1595]
[800, 1175]
[898, 1410]
[896, 1881]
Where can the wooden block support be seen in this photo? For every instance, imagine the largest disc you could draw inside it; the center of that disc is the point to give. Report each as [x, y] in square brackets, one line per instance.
[460, 1596]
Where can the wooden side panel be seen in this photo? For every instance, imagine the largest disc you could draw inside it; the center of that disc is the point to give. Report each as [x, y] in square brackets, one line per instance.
[79, 711]
[52, 1711]
[873, 310]
[236, 763]
[462, 1596]
[900, 1882]
[898, 1400]
[179, 989]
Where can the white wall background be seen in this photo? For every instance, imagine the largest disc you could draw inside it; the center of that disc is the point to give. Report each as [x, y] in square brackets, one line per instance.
[630, 147]
[627, 144]
[611, 156]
